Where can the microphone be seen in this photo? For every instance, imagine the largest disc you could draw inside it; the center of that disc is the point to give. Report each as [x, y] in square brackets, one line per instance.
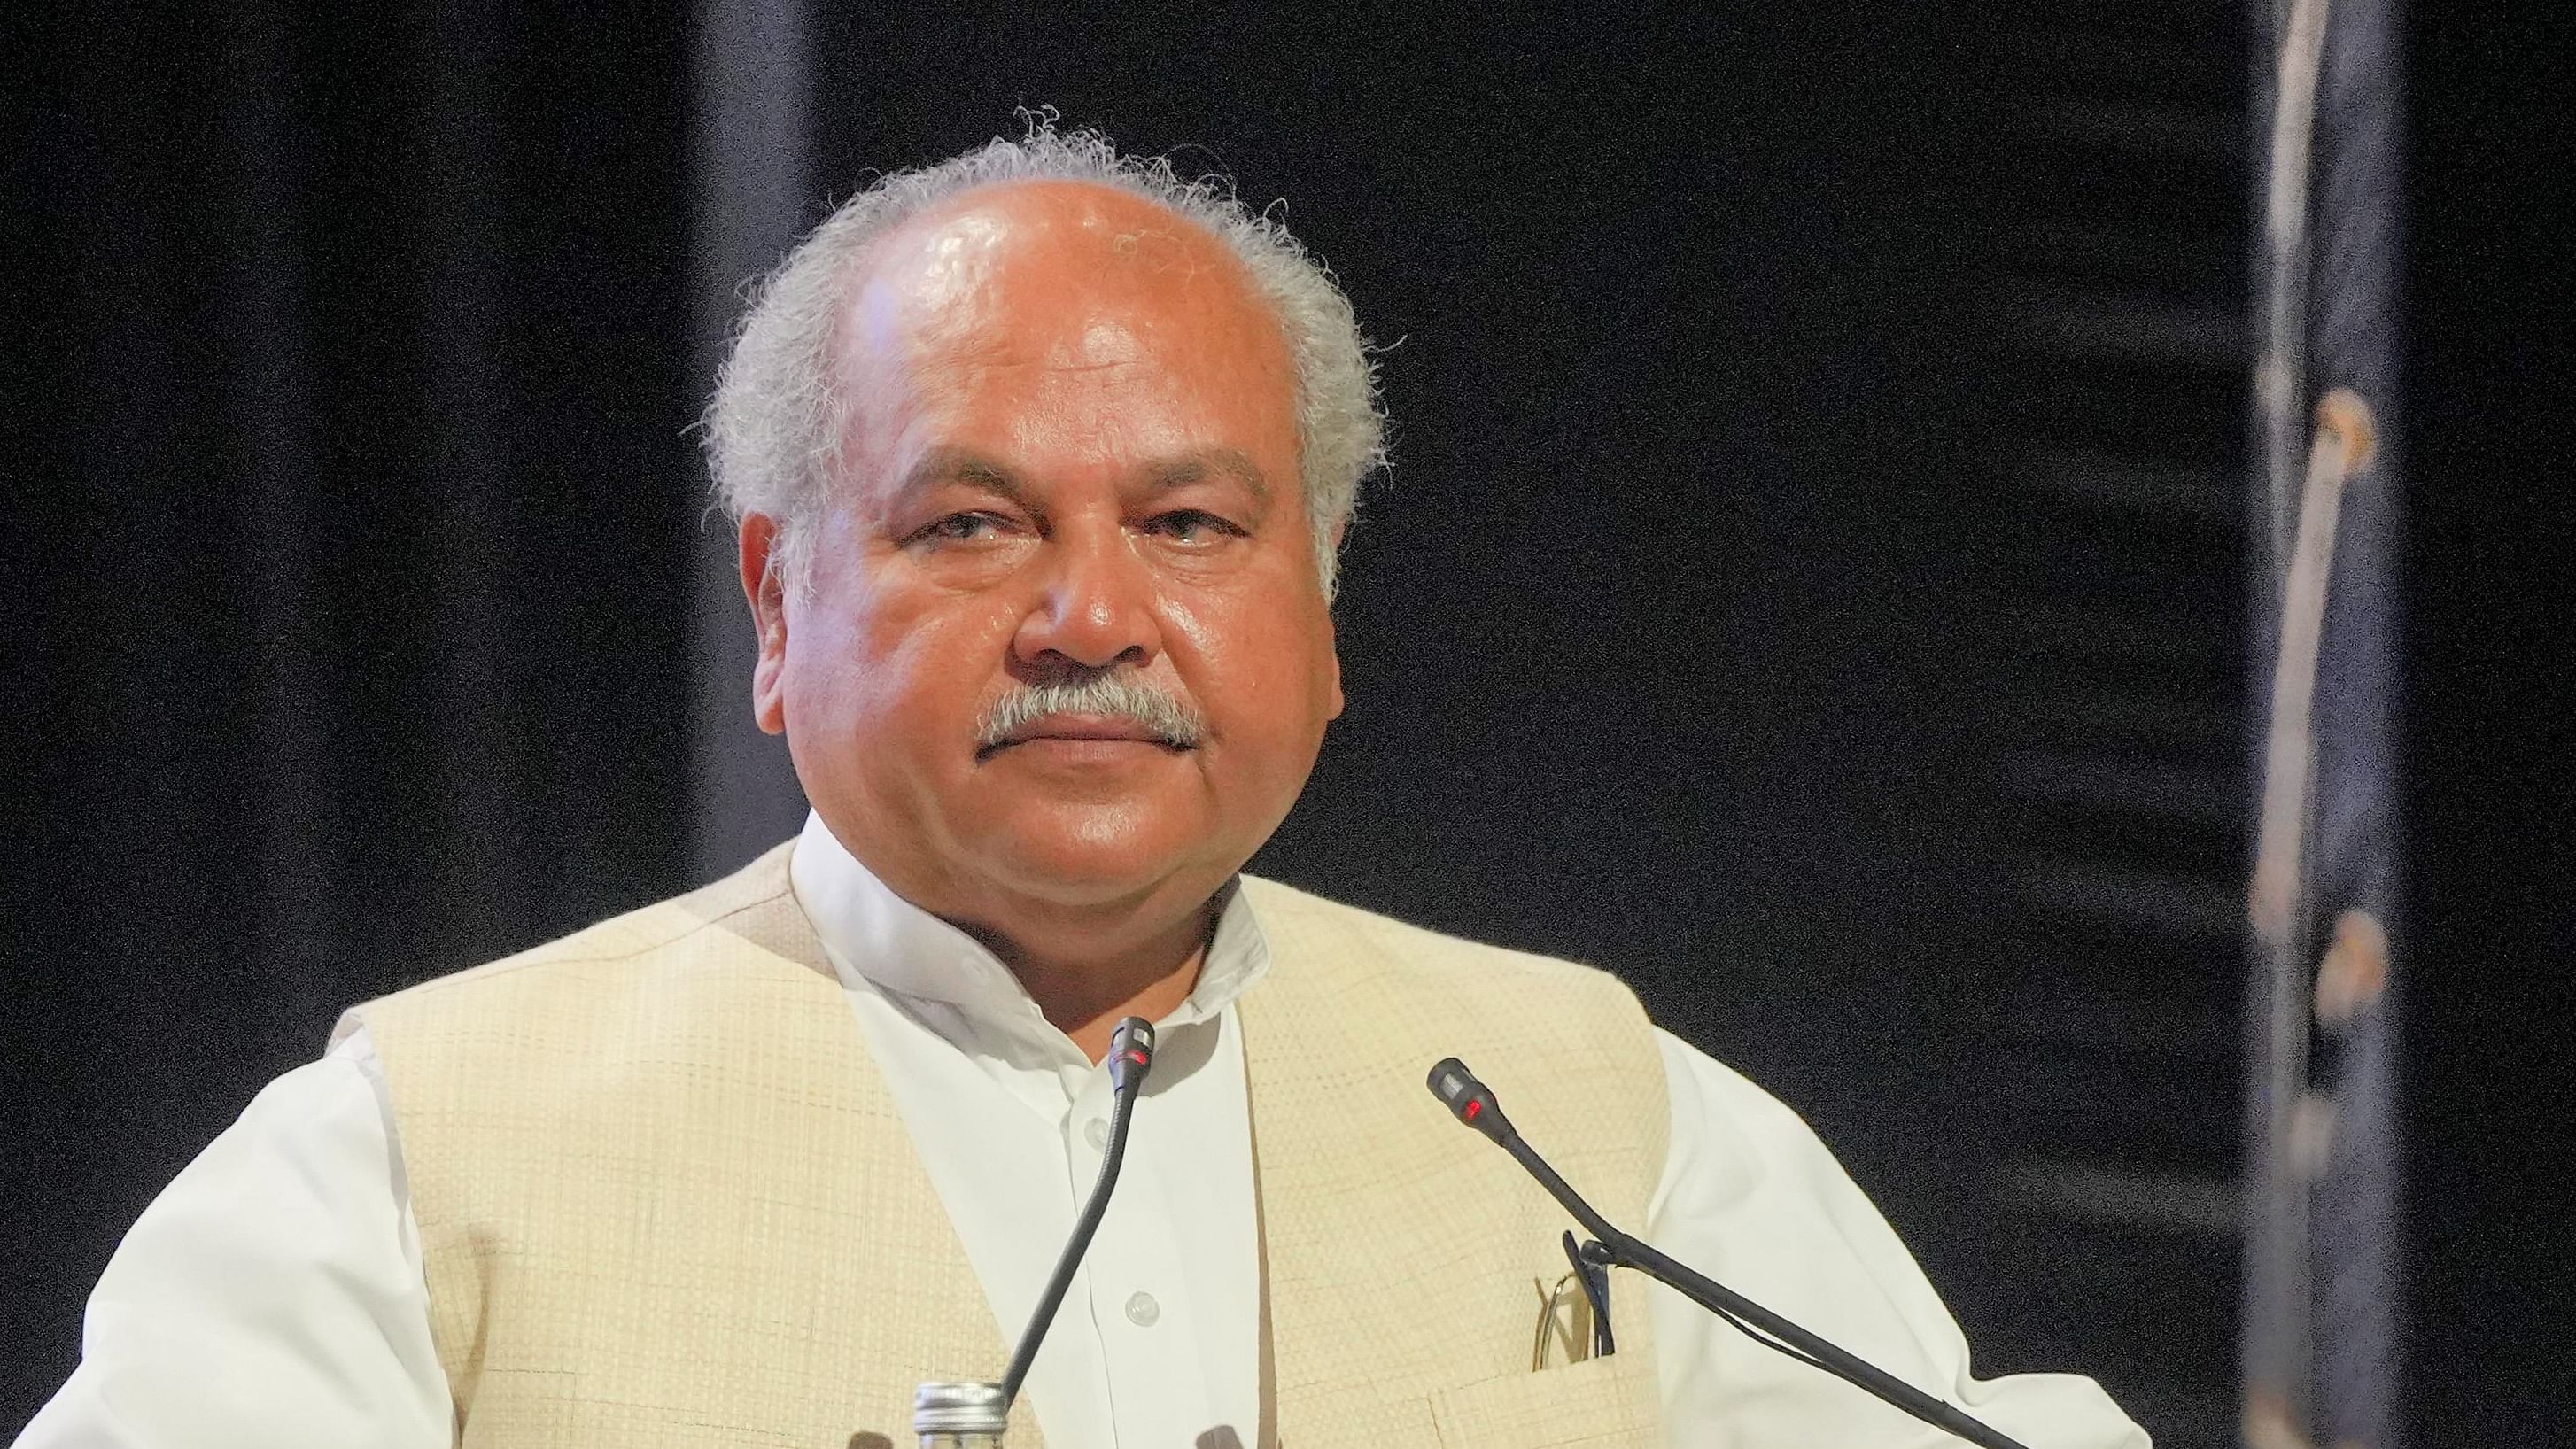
[1131, 1056]
[1472, 1102]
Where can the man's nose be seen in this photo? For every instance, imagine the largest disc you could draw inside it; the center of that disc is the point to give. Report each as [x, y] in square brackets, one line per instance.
[1096, 606]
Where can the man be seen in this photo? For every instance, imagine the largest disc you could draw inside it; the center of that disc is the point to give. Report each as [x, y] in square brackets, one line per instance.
[1040, 460]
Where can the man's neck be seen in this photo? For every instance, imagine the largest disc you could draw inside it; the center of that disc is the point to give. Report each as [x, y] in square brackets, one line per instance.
[1084, 981]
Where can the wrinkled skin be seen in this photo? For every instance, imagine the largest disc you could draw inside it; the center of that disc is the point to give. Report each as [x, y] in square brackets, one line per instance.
[1073, 447]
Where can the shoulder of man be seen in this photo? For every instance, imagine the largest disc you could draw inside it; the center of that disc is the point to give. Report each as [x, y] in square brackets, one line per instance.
[1449, 985]
[1297, 919]
[746, 924]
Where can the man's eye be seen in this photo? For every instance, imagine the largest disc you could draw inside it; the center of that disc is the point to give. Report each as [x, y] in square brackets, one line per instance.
[958, 528]
[1189, 525]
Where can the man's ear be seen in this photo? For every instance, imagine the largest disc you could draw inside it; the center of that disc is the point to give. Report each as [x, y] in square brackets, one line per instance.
[1332, 645]
[764, 587]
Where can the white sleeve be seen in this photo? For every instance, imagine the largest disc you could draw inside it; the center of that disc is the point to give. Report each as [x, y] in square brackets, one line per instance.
[1752, 1199]
[271, 1296]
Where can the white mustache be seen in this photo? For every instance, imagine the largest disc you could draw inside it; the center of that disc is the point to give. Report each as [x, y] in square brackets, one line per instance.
[1104, 695]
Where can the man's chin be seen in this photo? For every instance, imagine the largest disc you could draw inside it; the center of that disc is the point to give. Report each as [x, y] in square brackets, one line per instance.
[1109, 862]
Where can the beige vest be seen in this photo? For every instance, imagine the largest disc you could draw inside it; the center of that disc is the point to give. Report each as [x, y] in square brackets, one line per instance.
[665, 1198]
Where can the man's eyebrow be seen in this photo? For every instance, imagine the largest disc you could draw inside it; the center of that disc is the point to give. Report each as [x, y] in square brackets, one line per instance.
[1196, 468]
[956, 465]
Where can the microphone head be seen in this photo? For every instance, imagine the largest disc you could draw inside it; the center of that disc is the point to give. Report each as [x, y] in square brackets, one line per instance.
[1131, 1053]
[1469, 1100]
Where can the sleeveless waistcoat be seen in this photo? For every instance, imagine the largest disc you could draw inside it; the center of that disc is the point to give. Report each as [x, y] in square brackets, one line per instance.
[665, 1198]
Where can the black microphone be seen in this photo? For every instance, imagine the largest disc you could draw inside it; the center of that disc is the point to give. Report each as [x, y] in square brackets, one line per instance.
[1131, 1056]
[1472, 1102]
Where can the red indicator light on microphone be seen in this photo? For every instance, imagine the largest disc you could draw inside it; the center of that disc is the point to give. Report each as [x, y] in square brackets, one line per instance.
[1467, 1099]
[1137, 1057]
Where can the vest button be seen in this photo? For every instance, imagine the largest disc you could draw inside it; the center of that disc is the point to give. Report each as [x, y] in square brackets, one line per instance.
[1142, 1310]
[1096, 1132]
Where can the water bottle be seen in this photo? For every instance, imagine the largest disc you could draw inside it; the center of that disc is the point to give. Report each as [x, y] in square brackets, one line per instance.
[959, 1416]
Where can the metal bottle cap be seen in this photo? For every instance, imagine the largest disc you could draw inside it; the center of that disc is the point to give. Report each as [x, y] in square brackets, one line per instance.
[939, 1408]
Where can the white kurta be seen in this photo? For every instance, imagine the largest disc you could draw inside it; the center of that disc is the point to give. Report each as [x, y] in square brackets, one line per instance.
[272, 1296]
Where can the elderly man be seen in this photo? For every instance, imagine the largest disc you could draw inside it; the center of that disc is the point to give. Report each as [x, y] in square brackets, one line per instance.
[1040, 459]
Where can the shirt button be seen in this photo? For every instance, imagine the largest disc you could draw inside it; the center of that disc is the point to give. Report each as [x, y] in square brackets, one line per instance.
[1096, 1132]
[1142, 1310]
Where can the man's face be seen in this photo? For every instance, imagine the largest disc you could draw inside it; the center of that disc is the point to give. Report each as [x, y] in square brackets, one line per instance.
[1072, 456]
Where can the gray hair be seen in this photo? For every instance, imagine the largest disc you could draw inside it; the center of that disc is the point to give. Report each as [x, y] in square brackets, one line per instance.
[775, 427]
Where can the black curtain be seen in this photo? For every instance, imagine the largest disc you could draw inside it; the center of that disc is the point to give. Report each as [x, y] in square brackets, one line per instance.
[2491, 741]
[348, 516]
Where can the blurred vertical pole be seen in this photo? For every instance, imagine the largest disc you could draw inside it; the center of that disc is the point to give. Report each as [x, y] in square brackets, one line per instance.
[2321, 1310]
[752, 151]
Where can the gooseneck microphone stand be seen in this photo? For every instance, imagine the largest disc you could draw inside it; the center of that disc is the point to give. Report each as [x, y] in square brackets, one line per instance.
[1131, 1055]
[971, 1415]
[1473, 1103]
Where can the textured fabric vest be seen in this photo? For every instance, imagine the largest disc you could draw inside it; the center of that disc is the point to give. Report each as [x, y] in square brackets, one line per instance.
[665, 1197]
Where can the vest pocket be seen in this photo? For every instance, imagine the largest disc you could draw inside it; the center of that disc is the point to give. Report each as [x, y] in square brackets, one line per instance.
[1600, 1403]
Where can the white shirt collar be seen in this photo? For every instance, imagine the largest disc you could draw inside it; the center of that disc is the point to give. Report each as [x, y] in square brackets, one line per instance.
[900, 949]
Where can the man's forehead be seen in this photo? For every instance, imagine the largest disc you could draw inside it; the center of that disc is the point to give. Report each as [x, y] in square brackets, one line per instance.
[1043, 235]
[1058, 275]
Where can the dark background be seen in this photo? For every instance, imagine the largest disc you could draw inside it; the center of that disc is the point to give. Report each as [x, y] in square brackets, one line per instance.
[1812, 583]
